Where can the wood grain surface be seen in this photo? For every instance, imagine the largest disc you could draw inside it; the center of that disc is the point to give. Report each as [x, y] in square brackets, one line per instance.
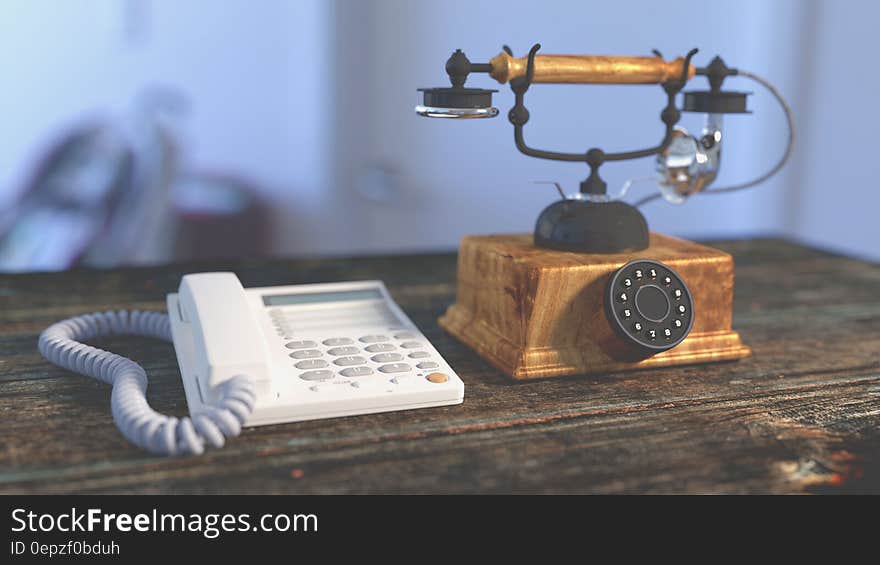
[538, 313]
[801, 415]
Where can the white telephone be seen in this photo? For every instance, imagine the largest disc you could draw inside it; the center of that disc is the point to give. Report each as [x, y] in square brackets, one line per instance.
[257, 356]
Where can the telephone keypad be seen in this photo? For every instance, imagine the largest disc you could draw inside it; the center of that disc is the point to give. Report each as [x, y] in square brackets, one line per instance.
[358, 357]
[649, 306]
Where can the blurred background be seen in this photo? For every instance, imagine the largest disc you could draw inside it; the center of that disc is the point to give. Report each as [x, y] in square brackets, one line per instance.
[144, 131]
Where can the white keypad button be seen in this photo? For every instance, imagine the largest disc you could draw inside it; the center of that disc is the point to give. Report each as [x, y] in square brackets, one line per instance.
[350, 350]
[349, 360]
[411, 344]
[305, 354]
[373, 338]
[311, 364]
[419, 355]
[301, 344]
[317, 375]
[387, 357]
[379, 347]
[334, 341]
[427, 365]
[395, 368]
[356, 372]
[404, 335]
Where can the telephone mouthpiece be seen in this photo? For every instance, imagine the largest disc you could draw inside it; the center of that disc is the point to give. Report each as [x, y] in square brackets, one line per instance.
[457, 102]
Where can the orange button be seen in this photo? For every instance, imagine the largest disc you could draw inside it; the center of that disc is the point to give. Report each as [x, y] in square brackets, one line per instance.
[437, 377]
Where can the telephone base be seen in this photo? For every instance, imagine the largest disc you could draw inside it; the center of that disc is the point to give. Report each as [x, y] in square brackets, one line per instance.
[537, 313]
[324, 350]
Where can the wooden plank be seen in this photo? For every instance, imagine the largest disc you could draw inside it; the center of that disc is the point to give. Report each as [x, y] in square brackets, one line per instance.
[801, 413]
[776, 442]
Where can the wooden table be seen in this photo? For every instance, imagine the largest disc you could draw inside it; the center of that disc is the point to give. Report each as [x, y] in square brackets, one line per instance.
[803, 414]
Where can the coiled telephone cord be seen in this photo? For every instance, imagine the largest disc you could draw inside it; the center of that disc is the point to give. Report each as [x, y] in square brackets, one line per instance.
[61, 344]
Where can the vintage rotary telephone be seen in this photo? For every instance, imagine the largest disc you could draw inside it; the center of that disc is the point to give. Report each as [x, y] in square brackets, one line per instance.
[533, 306]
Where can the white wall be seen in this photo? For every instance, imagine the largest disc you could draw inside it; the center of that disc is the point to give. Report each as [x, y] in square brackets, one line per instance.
[314, 101]
[835, 180]
[255, 73]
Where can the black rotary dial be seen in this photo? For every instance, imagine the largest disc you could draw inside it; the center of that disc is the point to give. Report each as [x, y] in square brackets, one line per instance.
[649, 305]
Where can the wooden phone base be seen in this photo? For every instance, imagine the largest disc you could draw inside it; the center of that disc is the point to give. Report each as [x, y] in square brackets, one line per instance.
[537, 313]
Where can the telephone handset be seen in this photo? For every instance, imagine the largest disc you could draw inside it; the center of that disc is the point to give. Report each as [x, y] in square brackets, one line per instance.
[258, 356]
[219, 337]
